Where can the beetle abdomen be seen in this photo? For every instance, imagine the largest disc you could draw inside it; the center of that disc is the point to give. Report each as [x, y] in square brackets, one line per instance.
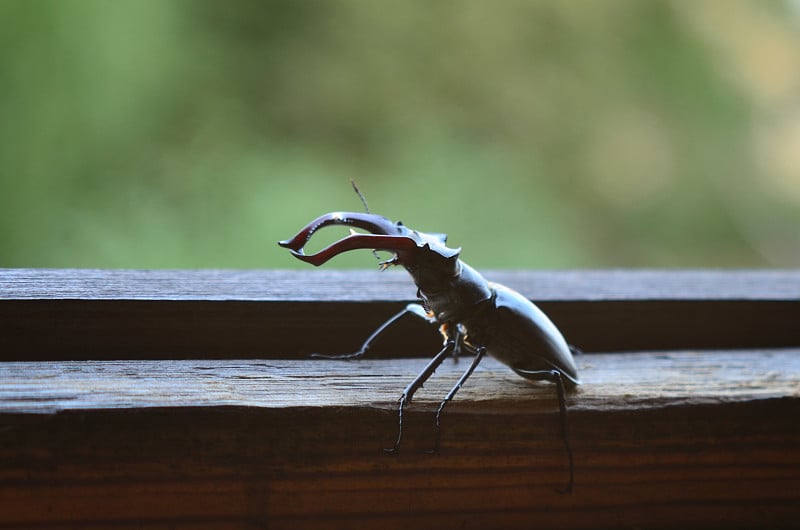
[520, 335]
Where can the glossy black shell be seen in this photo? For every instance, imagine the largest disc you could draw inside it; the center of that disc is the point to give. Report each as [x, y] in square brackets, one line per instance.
[518, 334]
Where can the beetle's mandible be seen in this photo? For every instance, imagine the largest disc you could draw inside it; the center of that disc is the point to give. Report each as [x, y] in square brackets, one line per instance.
[474, 315]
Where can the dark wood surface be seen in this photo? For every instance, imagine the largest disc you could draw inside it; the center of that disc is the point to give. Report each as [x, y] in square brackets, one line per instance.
[681, 439]
[649, 379]
[97, 314]
[392, 285]
[241, 430]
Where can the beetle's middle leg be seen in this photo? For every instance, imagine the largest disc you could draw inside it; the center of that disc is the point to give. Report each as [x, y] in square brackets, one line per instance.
[479, 353]
[414, 309]
[450, 346]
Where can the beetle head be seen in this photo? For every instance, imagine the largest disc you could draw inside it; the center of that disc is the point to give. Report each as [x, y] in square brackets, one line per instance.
[424, 255]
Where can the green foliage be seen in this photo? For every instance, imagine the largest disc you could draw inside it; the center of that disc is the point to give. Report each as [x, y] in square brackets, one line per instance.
[152, 133]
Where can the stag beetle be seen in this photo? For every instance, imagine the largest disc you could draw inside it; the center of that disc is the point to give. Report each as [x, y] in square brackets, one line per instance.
[474, 315]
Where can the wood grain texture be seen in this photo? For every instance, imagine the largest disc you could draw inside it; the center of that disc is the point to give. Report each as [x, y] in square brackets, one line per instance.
[88, 314]
[312, 468]
[629, 381]
[661, 439]
[392, 285]
[185, 399]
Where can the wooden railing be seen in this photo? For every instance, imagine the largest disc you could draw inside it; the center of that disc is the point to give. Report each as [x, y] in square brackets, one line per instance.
[187, 399]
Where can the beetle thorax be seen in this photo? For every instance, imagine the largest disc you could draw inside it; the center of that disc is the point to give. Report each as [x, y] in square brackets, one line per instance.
[453, 298]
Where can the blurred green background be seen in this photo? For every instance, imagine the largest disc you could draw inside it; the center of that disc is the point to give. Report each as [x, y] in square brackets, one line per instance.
[561, 134]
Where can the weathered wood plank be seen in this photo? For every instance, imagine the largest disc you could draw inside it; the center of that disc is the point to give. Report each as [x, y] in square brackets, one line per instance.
[78, 314]
[249, 432]
[163, 468]
[306, 468]
[629, 381]
[393, 285]
[670, 439]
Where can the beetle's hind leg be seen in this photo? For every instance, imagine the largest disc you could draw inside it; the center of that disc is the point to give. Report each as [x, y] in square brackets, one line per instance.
[554, 376]
[414, 309]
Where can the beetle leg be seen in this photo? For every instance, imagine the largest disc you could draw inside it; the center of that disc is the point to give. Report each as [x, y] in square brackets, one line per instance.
[554, 376]
[414, 309]
[479, 353]
[416, 384]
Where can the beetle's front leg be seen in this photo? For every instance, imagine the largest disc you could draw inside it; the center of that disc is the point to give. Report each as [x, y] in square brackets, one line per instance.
[414, 309]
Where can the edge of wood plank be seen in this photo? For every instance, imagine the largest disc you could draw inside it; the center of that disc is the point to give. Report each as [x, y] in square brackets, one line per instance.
[76, 314]
[389, 286]
[611, 381]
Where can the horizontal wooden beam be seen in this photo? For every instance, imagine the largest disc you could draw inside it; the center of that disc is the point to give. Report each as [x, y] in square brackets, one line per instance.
[186, 399]
[661, 439]
[98, 314]
[392, 285]
[626, 381]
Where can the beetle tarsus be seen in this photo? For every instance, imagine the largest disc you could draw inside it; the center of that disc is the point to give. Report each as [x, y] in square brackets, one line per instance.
[404, 399]
[557, 377]
[562, 405]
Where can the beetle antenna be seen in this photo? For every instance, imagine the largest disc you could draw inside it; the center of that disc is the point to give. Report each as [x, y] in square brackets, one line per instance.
[383, 266]
[360, 195]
